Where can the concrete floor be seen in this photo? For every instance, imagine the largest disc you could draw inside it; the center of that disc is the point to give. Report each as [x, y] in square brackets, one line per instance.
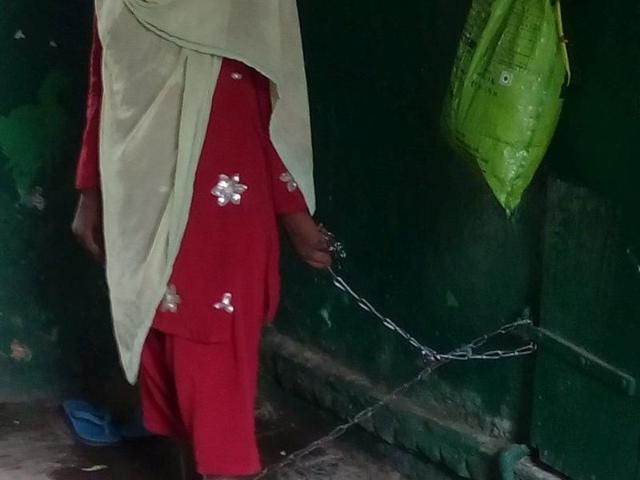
[37, 444]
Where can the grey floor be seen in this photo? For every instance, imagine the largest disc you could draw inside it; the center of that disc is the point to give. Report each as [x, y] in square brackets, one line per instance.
[37, 444]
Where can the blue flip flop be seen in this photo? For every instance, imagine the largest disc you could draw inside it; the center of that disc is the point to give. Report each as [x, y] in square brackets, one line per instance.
[93, 426]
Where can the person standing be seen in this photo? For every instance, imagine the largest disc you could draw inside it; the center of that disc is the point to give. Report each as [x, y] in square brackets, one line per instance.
[197, 144]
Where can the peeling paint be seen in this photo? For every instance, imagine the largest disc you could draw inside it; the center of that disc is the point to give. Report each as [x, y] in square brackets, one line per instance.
[634, 259]
[346, 299]
[501, 428]
[266, 411]
[17, 321]
[452, 301]
[34, 199]
[464, 405]
[324, 313]
[34, 137]
[20, 352]
[54, 334]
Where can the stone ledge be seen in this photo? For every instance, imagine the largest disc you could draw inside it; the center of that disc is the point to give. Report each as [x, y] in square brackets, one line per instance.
[319, 378]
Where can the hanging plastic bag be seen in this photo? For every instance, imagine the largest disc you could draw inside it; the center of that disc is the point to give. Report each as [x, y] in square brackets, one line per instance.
[504, 101]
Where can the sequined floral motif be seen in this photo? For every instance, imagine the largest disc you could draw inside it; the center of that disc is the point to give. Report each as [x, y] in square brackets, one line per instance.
[288, 179]
[171, 300]
[229, 190]
[225, 304]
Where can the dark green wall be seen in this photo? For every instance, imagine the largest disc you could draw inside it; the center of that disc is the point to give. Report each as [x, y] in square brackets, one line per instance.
[427, 242]
[585, 423]
[54, 331]
[597, 143]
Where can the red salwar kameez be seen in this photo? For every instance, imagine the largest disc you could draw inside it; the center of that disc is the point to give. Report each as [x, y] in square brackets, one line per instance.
[199, 363]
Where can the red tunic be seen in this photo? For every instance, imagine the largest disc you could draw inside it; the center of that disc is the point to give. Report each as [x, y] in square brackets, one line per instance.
[199, 364]
[232, 249]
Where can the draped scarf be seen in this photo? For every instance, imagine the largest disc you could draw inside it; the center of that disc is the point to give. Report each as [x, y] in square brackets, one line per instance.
[161, 60]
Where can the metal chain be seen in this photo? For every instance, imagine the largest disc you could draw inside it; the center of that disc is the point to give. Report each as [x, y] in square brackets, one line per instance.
[340, 430]
[463, 353]
[395, 395]
[363, 303]
[435, 360]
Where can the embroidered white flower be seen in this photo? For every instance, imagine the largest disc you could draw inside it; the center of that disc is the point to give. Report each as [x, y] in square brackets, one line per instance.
[171, 300]
[288, 179]
[225, 304]
[229, 190]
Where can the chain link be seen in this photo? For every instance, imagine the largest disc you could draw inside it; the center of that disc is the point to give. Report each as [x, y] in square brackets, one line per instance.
[363, 303]
[432, 357]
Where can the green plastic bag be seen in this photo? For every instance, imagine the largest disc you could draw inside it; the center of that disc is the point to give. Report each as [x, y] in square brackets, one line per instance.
[504, 101]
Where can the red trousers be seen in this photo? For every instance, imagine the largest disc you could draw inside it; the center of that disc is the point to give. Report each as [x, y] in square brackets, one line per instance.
[203, 393]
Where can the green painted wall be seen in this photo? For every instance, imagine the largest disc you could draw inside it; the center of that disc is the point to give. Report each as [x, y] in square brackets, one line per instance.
[426, 240]
[54, 333]
[585, 423]
[597, 144]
